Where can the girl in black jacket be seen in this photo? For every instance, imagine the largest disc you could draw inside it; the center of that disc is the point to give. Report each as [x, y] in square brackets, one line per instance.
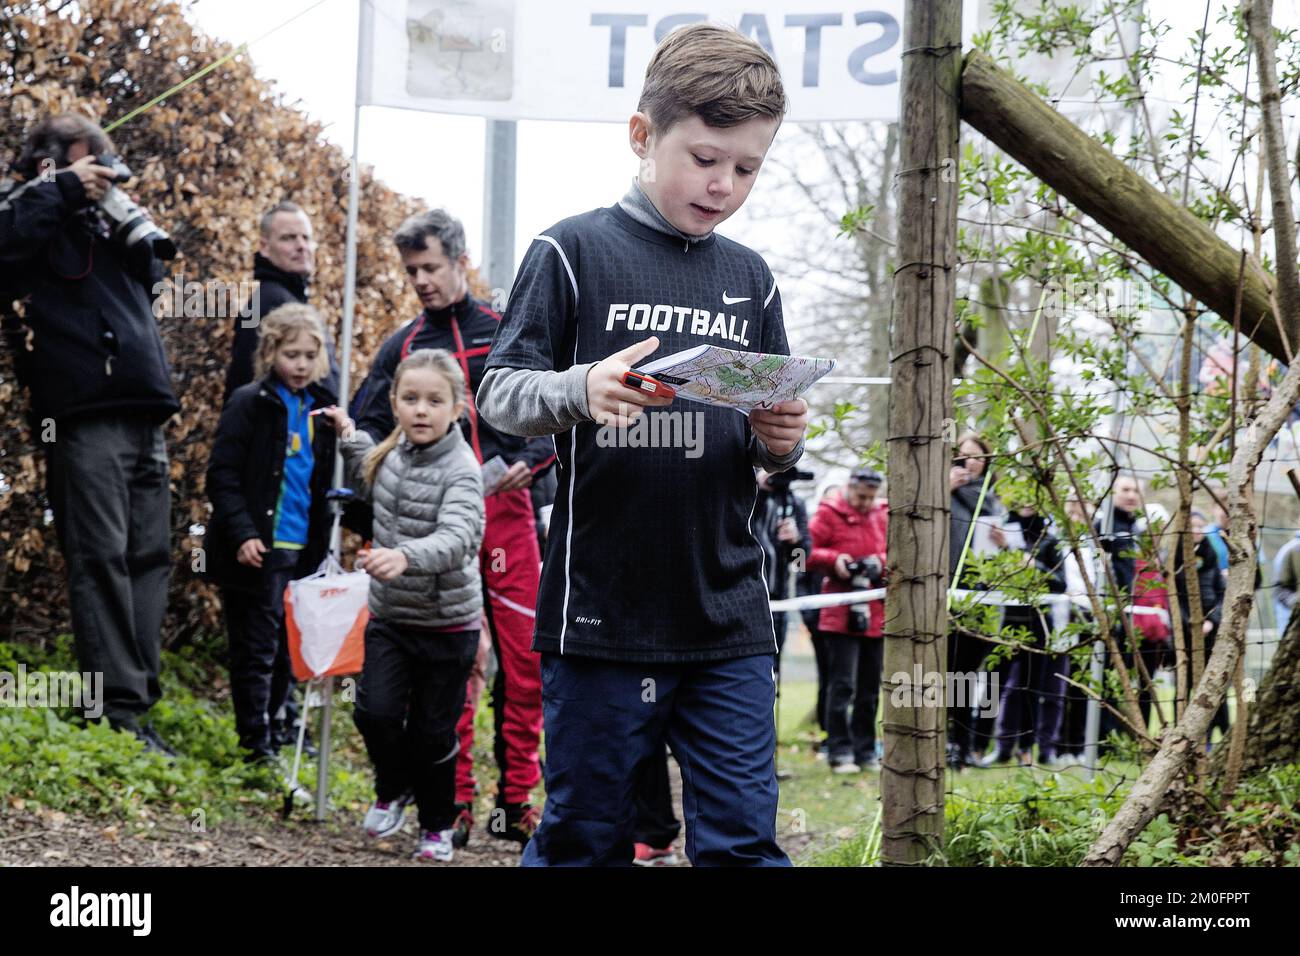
[970, 728]
[1032, 702]
[1212, 591]
[270, 468]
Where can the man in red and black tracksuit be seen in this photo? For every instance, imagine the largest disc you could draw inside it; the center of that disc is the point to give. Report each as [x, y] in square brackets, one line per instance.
[432, 246]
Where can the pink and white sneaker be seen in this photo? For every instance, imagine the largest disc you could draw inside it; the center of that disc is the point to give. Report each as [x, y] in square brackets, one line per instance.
[435, 845]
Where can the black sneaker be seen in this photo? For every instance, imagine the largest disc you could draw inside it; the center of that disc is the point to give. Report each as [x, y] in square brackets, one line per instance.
[153, 742]
[514, 821]
[464, 823]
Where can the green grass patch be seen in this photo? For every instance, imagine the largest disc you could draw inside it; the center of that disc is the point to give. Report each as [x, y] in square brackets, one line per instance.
[50, 758]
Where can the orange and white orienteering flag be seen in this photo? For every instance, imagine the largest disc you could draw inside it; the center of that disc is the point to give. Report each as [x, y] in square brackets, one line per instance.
[325, 615]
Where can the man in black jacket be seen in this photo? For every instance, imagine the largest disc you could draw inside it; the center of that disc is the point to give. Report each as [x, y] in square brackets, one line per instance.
[432, 246]
[1124, 533]
[781, 526]
[282, 267]
[87, 349]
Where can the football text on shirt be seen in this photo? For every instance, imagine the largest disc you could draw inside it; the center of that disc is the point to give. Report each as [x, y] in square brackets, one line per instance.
[640, 316]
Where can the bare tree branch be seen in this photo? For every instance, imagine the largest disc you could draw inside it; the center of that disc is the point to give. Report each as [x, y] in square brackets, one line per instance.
[1181, 741]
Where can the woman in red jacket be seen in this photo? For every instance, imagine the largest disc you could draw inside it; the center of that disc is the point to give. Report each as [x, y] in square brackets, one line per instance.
[848, 533]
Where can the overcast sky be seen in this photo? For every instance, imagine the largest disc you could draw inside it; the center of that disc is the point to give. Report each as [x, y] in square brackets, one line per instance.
[564, 168]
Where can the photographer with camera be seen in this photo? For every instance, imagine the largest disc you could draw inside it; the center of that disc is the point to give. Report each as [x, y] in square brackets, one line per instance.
[781, 527]
[849, 534]
[79, 259]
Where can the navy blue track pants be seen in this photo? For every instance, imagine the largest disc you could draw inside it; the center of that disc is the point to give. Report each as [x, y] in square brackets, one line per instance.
[605, 719]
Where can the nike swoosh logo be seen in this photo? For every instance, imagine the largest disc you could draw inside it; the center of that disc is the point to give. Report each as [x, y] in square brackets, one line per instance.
[728, 300]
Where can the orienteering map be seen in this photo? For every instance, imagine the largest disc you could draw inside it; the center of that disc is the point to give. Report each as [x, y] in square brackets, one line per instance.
[740, 380]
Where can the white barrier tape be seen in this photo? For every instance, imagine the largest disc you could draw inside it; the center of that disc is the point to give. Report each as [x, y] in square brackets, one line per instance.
[1060, 602]
[828, 600]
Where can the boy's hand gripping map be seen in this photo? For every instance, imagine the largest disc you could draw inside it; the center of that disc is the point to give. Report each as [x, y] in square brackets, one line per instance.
[740, 380]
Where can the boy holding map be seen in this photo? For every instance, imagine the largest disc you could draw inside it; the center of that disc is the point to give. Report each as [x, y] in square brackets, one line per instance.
[652, 616]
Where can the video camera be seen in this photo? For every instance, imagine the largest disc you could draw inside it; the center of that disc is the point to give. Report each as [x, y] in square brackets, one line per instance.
[131, 225]
[781, 480]
[864, 574]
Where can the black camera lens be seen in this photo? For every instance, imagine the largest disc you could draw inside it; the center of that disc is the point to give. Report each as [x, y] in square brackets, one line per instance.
[121, 171]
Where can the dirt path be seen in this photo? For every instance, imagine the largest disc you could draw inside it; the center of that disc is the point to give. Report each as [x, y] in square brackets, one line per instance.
[41, 837]
[50, 838]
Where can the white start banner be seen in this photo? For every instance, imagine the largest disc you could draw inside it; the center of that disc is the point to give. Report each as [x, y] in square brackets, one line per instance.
[586, 59]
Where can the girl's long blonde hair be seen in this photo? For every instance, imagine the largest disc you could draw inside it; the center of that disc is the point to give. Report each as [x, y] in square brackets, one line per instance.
[281, 326]
[440, 361]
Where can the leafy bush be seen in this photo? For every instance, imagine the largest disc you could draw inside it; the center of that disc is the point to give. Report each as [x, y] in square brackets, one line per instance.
[49, 757]
[1033, 819]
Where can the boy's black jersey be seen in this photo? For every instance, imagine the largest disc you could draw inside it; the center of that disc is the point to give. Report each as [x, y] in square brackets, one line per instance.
[651, 554]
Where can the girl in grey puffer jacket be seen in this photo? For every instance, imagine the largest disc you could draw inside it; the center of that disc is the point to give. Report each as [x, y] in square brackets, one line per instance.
[425, 594]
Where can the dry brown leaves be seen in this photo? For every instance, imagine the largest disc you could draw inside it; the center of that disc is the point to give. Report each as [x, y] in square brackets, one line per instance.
[209, 160]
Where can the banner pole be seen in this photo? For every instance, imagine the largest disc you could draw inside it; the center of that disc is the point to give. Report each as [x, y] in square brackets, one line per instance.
[345, 375]
[500, 158]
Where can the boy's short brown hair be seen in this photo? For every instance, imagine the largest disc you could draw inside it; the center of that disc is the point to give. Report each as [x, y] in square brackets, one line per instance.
[715, 72]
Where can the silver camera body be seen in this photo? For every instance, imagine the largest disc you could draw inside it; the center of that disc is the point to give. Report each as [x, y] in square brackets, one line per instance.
[130, 223]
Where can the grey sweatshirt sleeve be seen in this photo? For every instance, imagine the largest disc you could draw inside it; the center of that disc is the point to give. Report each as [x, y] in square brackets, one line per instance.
[524, 401]
[762, 458]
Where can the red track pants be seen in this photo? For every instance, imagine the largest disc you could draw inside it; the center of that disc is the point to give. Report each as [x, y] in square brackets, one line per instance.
[511, 567]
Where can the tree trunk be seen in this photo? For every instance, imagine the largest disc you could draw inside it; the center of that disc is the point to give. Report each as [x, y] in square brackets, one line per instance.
[1273, 727]
[920, 399]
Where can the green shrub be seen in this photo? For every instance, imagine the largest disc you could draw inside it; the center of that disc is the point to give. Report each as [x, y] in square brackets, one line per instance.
[1032, 819]
[51, 758]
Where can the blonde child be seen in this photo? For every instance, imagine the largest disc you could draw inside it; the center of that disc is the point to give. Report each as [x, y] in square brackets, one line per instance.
[425, 597]
[267, 477]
